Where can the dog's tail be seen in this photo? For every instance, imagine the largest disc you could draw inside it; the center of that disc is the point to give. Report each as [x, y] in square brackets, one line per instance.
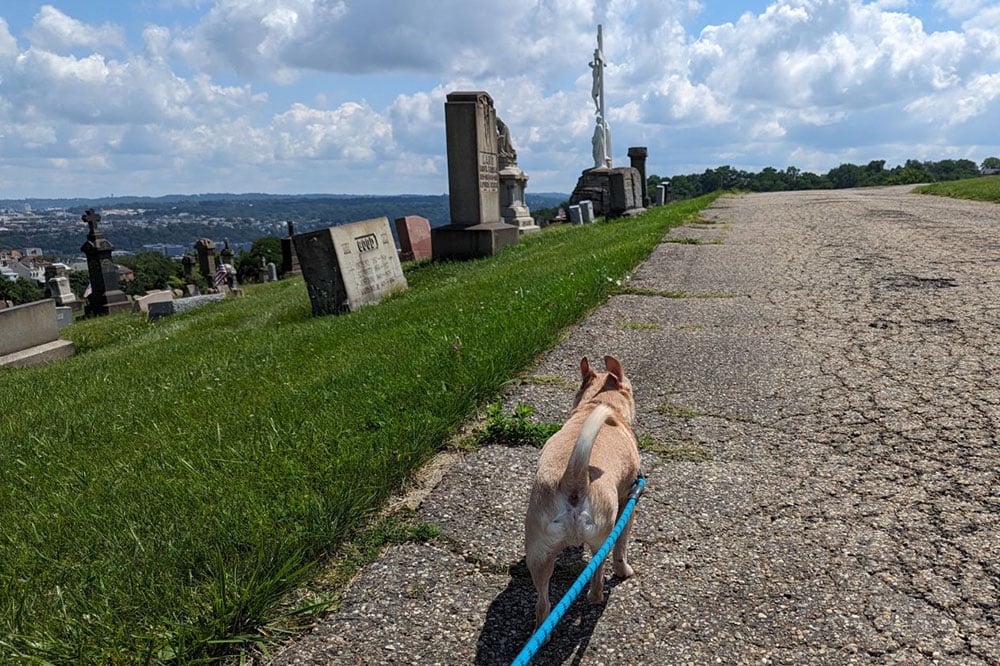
[576, 478]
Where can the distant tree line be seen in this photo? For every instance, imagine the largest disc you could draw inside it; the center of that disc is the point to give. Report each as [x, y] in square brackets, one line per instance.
[846, 175]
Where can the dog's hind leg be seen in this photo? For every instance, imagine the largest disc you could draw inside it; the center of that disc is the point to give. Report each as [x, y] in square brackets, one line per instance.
[541, 572]
[597, 580]
[621, 565]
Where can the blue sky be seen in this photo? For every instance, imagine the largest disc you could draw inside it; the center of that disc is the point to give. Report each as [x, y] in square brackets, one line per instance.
[152, 97]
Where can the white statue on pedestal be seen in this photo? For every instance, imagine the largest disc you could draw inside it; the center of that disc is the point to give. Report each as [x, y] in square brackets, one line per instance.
[602, 133]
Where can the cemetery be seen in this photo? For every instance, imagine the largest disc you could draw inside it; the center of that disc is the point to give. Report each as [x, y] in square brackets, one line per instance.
[200, 454]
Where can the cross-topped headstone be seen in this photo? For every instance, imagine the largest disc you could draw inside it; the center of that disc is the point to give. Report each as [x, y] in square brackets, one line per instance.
[105, 295]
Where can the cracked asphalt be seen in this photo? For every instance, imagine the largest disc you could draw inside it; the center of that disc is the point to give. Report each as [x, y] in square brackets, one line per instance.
[818, 400]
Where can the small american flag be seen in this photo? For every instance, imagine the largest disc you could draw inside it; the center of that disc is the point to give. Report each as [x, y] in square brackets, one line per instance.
[220, 274]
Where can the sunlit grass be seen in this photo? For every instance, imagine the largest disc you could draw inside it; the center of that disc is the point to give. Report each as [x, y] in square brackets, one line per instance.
[162, 489]
[986, 188]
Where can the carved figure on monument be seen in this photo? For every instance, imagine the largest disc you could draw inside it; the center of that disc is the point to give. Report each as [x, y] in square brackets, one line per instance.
[505, 149]
[599, 142]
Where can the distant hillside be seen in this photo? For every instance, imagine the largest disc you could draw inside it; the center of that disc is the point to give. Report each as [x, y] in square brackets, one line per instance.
[177, 221]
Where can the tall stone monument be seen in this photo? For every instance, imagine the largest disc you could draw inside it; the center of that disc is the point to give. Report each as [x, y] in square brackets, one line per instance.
[613, 191]
[289, 260]
[513, 182]
[106, 297]
[637, 156]
[205, 247]
[476, 229]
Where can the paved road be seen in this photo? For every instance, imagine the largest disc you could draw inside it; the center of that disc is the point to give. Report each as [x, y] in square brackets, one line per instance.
[819, 398]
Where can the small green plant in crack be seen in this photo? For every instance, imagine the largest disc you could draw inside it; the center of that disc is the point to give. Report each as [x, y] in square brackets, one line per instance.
[684, 240]
[640, 326]
[679, 411]
[516, 429]
[677, 451]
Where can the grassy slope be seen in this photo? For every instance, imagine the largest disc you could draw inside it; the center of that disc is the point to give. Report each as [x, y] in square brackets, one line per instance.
[986, 188]
[160, 490]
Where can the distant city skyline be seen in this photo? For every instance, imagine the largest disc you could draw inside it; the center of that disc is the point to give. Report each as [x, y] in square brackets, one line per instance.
[155, 97]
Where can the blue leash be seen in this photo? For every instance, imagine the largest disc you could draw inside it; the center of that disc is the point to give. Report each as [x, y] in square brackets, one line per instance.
[543, 632]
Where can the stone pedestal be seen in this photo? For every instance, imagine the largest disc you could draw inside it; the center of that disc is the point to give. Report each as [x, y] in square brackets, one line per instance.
[473, 181]
[614, 192]
[513, 209]
[637, 157]
[105, 295]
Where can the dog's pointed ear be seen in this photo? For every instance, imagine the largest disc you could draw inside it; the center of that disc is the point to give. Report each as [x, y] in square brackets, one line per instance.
[615, 368]
[585, 371]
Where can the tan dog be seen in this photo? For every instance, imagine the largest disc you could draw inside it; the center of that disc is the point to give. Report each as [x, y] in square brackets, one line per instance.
[584, 476]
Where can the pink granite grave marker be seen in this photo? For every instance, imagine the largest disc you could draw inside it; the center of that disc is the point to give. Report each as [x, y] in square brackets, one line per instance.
[414, 237]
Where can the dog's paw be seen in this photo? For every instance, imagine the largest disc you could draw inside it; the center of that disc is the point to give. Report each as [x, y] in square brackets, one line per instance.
[623, 570]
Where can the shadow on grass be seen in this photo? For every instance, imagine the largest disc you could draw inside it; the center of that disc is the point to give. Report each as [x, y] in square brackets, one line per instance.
[511, 617]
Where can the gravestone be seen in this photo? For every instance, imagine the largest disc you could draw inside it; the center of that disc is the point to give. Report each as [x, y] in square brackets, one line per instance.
[29, 334]
[226, 256]
[187, 262]
[661, 194]
[105, 295]
[575, 215]
[181, 305]
[205, 247]
[473, 181]
[637, 156]
[142, 303]
[349, 266]
[272, 272]
[60, 291]
[414, 237]
[64, 316]
[626, 192]
[587, 211]
[289, 260]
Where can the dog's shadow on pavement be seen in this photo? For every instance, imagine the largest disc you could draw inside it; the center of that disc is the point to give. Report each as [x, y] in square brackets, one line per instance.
[510, 618]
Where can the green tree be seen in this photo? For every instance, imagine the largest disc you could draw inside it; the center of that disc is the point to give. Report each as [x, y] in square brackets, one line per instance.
[20, 291]
[249, 265]
[153, 270]
[78, 281]
[991, 163]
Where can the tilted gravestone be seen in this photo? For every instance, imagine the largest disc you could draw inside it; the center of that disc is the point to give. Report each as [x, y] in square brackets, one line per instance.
[349, 266]
[575, 215]
[105, 295]
[473, 181]
[587, 211]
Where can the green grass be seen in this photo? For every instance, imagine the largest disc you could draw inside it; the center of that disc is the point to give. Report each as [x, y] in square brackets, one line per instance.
[986, 188]
[162, 491]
